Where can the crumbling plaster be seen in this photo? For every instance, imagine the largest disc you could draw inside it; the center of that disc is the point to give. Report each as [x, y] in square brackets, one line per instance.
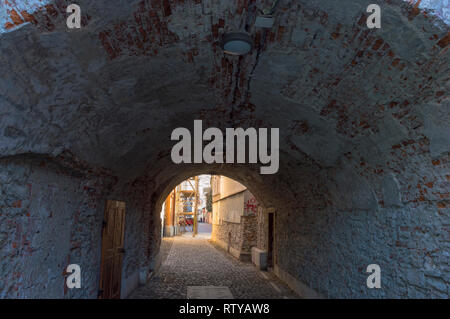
[363, 118]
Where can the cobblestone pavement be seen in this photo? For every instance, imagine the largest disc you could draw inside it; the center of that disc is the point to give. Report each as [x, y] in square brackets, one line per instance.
[197, 262]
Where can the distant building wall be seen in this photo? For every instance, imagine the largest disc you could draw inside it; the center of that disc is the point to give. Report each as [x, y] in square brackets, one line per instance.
[169, 215]
[235, 220]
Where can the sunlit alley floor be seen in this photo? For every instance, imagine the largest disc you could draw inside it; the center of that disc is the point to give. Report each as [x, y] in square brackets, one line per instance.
[193, 262]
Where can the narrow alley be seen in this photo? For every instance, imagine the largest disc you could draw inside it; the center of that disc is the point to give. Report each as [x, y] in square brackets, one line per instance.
[192, 262]
[250, 149]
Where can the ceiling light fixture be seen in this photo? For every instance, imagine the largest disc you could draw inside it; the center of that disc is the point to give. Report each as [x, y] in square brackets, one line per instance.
[266, 19]
[237, 43]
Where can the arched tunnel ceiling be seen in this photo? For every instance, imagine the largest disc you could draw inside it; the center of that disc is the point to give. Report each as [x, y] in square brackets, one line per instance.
[112, 92]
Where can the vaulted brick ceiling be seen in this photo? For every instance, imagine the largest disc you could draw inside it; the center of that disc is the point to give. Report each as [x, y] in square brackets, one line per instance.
[111, 93]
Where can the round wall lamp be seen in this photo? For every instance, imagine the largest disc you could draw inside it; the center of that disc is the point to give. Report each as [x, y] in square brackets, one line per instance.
[237, 43]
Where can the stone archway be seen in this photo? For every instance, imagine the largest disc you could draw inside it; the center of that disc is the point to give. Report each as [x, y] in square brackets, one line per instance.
[87, 115]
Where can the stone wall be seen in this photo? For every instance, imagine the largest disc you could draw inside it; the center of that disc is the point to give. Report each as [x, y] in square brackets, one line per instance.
[228, 236]
[237, 237]
[142, 234]
[249, 233]
[364, 135]
[50, 217]
[262, 229]
[332, 259]
[333, 233]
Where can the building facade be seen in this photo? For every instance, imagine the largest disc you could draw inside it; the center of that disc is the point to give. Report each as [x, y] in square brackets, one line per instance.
[169, 208]
[235, 217]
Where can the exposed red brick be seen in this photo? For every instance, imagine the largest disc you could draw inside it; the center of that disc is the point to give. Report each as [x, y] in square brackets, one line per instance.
[9, 25]
[444, 41]
[15, 17]
[436, 162]
[28, 17]
[167, 8]
[17, 204]
[429, 184]
[377, 44]
[280, 33]
[51, 10]
[335, 35]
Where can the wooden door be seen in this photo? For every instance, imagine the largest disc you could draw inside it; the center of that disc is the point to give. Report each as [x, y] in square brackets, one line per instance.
[112, 250]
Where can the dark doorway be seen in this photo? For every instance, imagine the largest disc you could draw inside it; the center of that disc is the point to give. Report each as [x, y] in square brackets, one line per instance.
[112, 250]
[271, 240]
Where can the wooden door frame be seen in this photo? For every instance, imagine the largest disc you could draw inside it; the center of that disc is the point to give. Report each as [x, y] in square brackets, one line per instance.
[272, 211]
[103, 242]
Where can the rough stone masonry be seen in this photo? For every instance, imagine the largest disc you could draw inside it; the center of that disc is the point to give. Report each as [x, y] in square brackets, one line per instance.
[86, 115]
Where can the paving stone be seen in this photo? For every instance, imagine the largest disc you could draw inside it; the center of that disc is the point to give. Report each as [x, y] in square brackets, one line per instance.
[194, 262]
[208, 292]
